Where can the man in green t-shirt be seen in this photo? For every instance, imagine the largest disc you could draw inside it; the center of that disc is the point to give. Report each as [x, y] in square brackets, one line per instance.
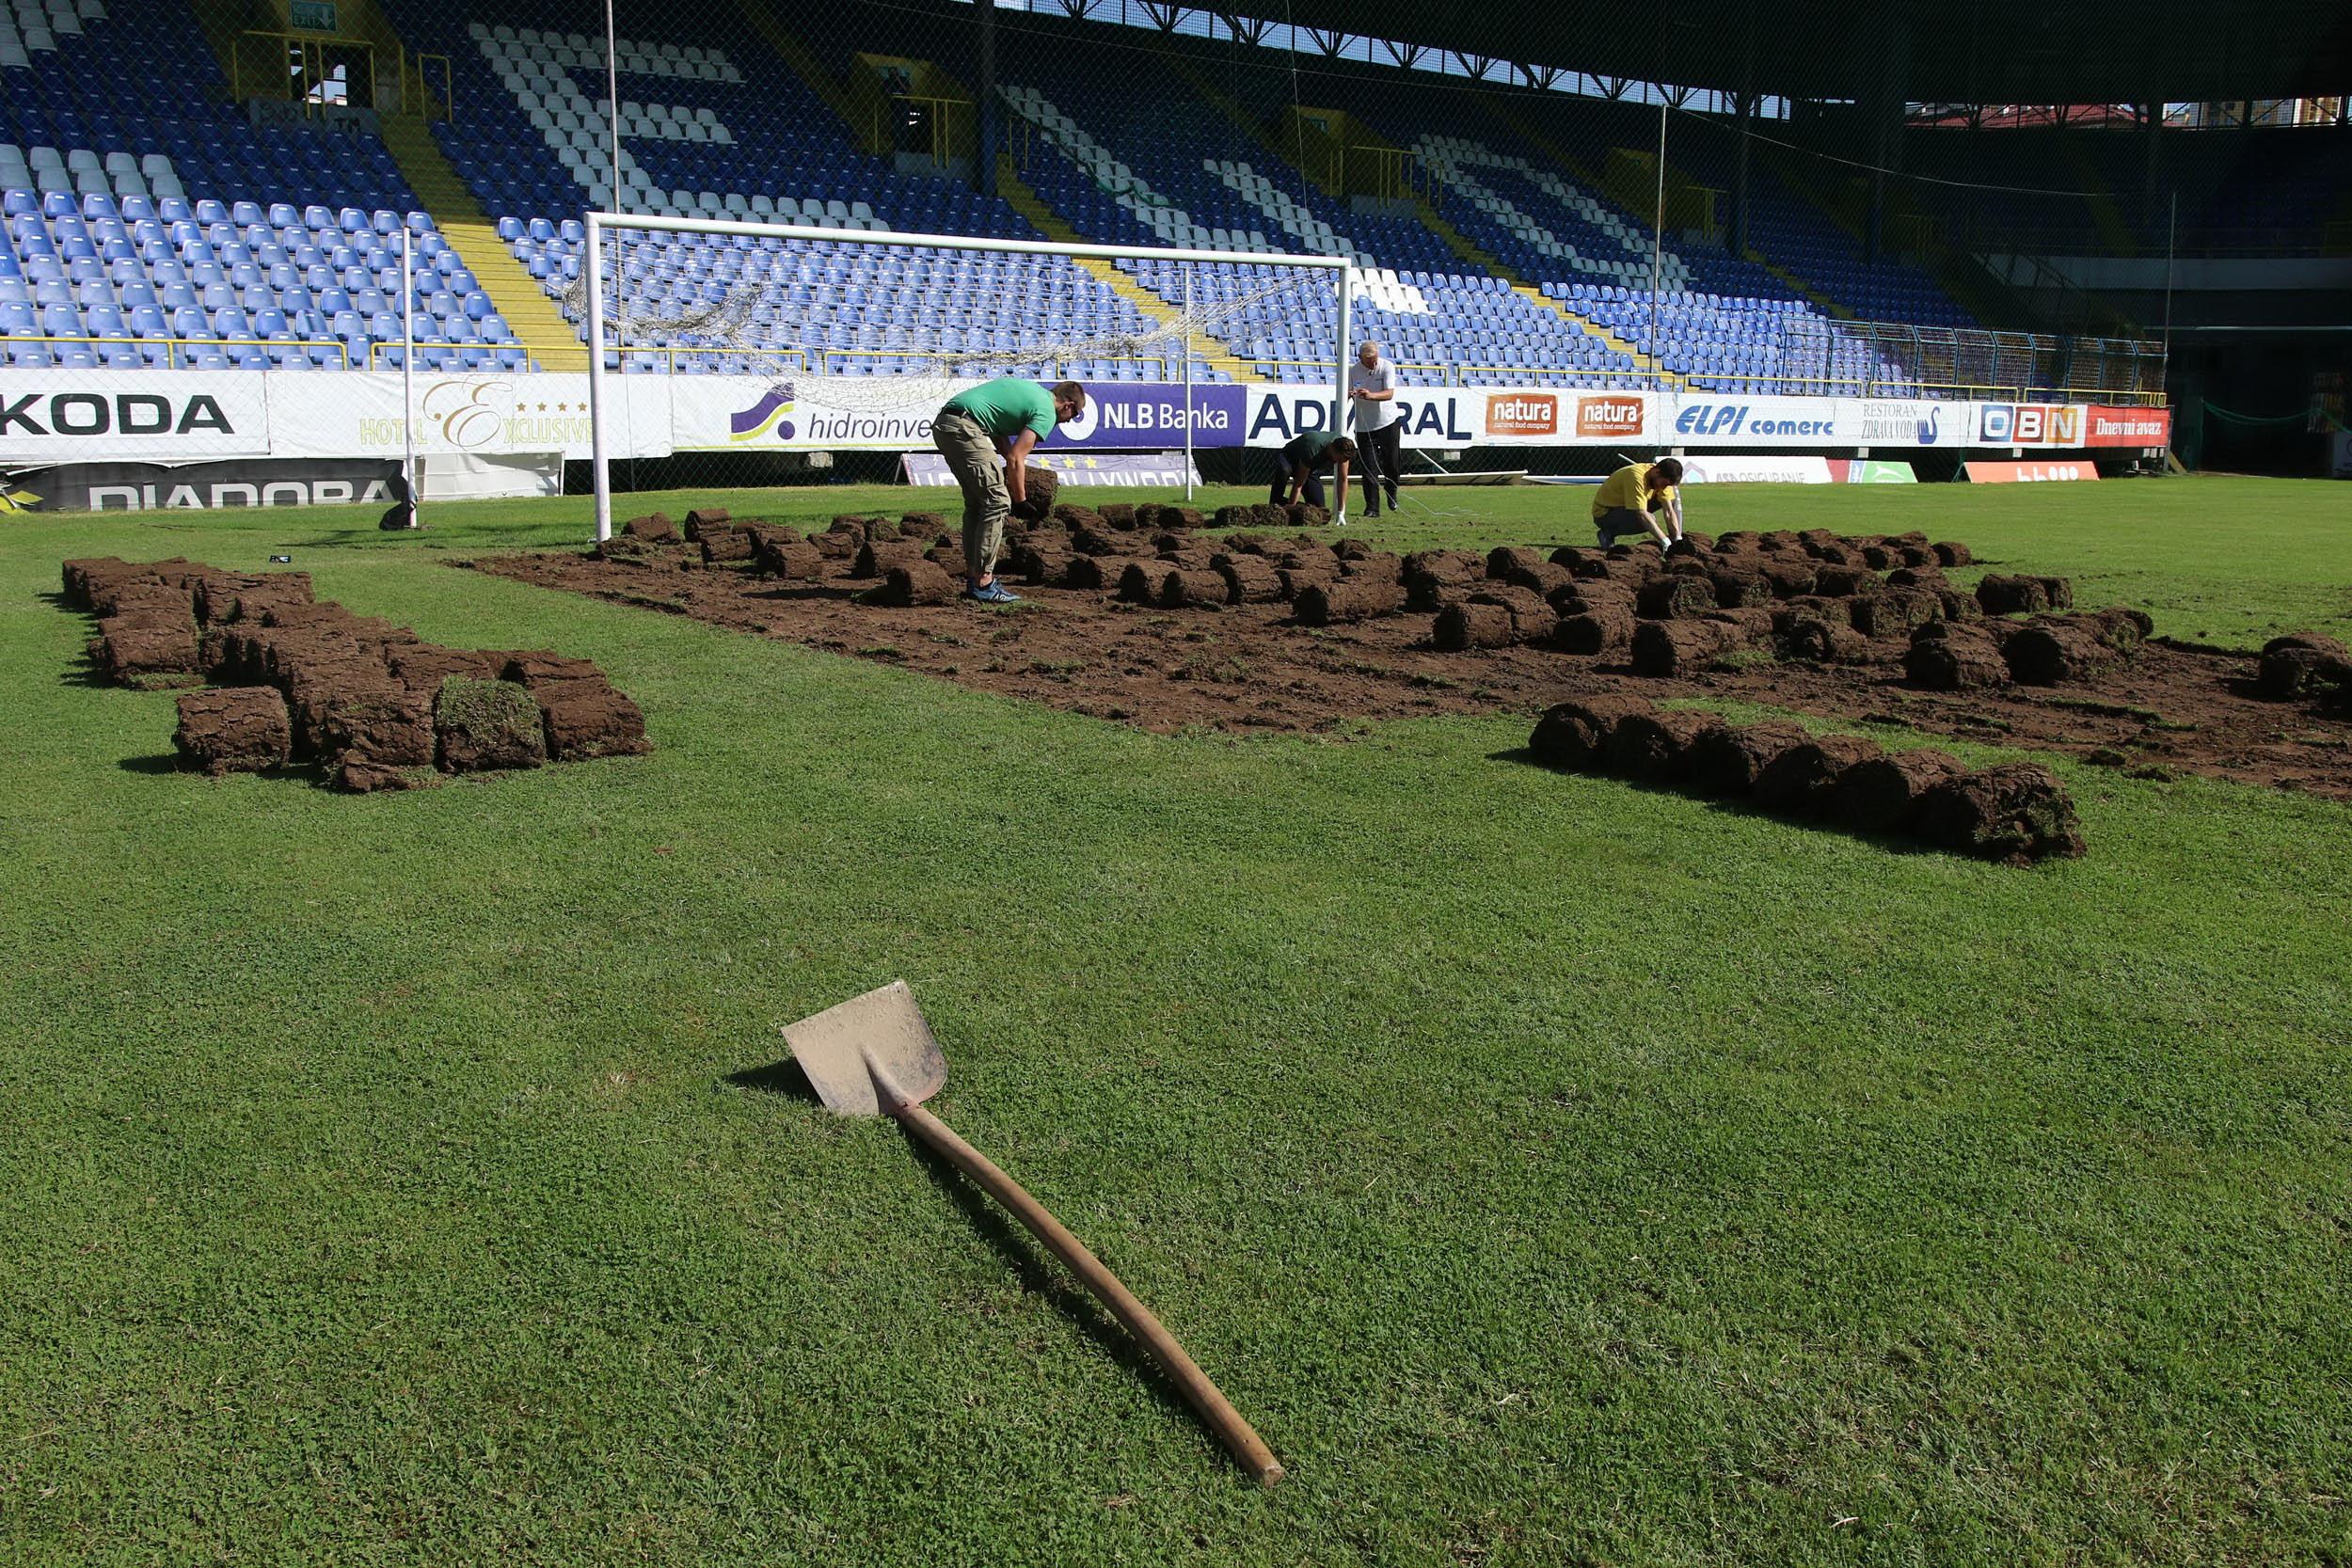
[986, 432]
[1303, 455]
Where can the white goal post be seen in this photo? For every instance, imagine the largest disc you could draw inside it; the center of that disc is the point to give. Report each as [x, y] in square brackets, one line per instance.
[602, 228]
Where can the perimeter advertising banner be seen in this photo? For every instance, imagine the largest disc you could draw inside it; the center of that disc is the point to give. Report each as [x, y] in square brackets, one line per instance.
[2029, 473]
[153, 416]
[50, 417]
[2127, 427]
[363, 414]
[1755, 470]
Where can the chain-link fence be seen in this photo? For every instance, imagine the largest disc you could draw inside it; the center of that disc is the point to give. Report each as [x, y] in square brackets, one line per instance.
[1629, 210]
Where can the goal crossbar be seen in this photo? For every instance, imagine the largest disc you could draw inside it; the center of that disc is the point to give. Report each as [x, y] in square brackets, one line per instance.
[593, 276]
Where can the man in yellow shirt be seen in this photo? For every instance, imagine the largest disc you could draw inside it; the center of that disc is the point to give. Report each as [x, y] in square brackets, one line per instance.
[1623, 503]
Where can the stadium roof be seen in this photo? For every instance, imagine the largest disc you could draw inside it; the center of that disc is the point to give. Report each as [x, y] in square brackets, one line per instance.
[1948, 51]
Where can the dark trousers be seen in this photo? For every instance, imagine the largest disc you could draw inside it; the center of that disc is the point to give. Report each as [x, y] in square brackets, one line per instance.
[1383, 455]
[1312, 494]
[1619, 521]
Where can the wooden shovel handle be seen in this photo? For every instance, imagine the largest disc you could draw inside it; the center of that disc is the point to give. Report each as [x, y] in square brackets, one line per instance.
[1238, 1434]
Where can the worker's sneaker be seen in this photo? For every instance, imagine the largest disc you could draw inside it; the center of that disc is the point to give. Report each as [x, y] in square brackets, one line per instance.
[995, 593]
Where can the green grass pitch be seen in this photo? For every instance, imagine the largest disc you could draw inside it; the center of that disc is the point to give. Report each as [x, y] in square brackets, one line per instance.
[1555, 1172]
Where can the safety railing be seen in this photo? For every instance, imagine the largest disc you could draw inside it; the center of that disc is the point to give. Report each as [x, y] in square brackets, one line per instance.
[173, 347]
[822, 361]
[1704, 382]
[415, 75]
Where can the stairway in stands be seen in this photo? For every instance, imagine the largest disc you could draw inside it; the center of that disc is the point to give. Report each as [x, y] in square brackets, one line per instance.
[552, 343]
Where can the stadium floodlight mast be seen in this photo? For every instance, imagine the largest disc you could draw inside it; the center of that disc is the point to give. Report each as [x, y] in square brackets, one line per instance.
[592, 272]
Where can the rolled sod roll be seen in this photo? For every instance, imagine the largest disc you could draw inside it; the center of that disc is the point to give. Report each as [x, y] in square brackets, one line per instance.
[1101, 541]
[2017, 814]
[1672, 648]
[1816, 639]
[1674, 597]
[242, 729]
[722, 544]
[1950, 553]
[1655, 747]
[1882, 794]
[1039, 487]
[483, 726]
[2059, 591]
[1840, 582]
[1802, 781]
[1372, 566]
[793, 560]
[836, 546]
[703, 517]
[1097, 571]
[1118, 514]
[1075, 518]
[1042, 568]
[916, 582]
[2300, 663]
[1788, 577]
[1249, 579]
[1463, 624]
[131, 654]
[1187, 588]
[655, 527]
[1542, 577]
[1349, 599]
[1429, 573]
[2002, 594]
[1595, 631]
[1893, 612]
[1966, 663]
[1737, 589]
[2053, 652]
[1728, 759]
[1296, 580]
[1575, 735]
[1503, 559]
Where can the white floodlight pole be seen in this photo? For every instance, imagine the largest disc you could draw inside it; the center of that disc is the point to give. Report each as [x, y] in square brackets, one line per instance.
[408, 375]
[598, 461]
[1187, 320]
[600, 464]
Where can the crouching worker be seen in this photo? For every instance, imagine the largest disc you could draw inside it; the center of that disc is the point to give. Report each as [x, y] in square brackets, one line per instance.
[1625, 499]
[986, 433]
[1305, 458]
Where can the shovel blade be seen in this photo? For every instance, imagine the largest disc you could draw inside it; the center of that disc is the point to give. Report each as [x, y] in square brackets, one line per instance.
[833, 1048]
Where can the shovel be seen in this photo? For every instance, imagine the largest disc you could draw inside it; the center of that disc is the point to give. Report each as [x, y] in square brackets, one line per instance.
[874, 1055]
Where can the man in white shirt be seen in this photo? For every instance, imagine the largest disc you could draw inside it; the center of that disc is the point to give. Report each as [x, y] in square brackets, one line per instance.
[1379, 435]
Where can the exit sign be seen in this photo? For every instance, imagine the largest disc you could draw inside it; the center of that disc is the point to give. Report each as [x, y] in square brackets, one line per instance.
[312, 16]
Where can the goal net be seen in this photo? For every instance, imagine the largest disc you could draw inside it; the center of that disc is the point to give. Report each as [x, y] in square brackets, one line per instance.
[803, 337]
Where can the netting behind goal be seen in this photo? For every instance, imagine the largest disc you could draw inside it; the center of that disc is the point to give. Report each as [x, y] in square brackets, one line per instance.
[826, 340]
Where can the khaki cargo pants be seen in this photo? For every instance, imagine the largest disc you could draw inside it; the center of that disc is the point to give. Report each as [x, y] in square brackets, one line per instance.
[979, 469]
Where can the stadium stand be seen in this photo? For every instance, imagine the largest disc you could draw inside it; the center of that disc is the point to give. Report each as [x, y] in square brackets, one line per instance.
[155, 224]
[149, 222]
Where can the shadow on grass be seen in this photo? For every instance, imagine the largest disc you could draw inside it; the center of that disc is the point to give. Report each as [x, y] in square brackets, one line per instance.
[1732, 805]
[785, 1077]
[1033, 1267]
[1032, 1264]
